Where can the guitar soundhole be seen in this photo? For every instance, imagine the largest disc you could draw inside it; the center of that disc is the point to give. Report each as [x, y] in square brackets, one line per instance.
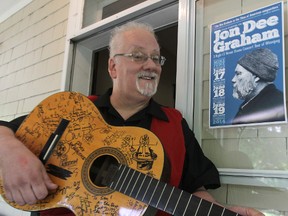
[99, 169]
[95, 166]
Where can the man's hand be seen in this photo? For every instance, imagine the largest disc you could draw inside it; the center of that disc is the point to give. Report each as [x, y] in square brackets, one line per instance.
[24, 177]
[246, 211]
[202, 193]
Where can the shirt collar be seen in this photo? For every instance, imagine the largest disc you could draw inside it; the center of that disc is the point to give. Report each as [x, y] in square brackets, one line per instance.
[154, 109]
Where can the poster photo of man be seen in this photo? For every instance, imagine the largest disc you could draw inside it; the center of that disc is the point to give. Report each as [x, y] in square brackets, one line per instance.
[253, 83]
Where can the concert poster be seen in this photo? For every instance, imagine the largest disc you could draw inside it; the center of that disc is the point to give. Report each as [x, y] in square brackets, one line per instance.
[252, 42]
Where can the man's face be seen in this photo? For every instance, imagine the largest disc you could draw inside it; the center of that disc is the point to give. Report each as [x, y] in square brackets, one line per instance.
[134, 78]
[243, 83]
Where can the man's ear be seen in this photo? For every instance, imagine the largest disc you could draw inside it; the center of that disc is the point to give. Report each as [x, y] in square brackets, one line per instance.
[112, 68]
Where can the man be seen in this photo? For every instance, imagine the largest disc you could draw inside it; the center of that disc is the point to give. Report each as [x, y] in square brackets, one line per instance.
[135, 68]
[253, 83]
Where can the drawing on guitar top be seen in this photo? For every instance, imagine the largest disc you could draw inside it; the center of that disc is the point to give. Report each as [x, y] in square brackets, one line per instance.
[101, 169]
[80, 156]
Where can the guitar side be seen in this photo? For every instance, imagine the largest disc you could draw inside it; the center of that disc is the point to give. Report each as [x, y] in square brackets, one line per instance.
[87, 142]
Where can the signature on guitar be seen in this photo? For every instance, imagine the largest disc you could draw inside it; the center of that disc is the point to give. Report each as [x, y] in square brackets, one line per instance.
[101, 169]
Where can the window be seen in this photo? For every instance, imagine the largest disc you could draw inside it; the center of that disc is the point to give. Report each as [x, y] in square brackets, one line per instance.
[96, 10]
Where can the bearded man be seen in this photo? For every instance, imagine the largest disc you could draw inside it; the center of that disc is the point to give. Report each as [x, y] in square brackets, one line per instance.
[253, 82]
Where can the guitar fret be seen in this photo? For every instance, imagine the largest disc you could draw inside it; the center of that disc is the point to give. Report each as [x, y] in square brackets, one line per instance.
[177, 202]
[148, 186]
[219, 210]
[210, 209]
[199, 204]
[149, 192]
[198, 207]
[169, 198]
[140, 187]
[125, 192]
[153, 193]
[161, 195]
[230, 213]
[147, 189]
[181, 208]
[216, 210]
[130, 194]
[158, 194]
[205, 207]
[161, 200]
[136, 190]
[223, 212]
[138, 181]
[125, 177]
[117, 179]
[126, 188]
[187, 204]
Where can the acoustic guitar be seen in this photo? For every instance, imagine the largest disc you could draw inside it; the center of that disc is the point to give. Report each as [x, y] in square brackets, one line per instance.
[101, 169]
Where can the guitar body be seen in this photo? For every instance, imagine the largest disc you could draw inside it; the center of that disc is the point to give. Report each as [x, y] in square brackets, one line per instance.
[87, 143]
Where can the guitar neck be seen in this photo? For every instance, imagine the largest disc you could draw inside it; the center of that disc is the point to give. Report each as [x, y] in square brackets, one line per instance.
[161, 195]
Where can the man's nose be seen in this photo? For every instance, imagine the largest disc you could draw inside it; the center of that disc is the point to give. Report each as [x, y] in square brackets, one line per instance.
[150, 64]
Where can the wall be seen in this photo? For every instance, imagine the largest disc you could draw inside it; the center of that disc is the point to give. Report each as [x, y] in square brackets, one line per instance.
[32, 43]
[31, 59]
[253, 148]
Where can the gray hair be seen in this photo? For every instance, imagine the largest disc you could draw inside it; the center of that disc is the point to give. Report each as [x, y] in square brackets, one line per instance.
[117, 31]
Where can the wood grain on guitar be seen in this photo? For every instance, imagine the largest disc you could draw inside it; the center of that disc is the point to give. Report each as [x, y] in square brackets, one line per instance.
[82, 157]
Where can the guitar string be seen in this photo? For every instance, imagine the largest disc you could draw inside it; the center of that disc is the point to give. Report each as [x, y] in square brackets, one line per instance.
[198, 207]
[177, 202]
[129, 181]
[147, 188]
[187, 204]
[123, 168]
[210, 209]
[123, 181]
[117, 181]
[161, 195]
[153, 193]
[135, 184]
[169, 198]
[140, 187]
[223, 212]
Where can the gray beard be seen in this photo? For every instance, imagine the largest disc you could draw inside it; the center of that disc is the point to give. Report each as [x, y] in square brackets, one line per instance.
[150, 88]
[242, 92]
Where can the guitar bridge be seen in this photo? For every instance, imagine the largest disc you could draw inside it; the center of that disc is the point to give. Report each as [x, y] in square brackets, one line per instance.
[52, 141]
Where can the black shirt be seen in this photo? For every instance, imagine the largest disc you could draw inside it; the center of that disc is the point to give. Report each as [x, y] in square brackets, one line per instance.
[267, 106]
[198, 170]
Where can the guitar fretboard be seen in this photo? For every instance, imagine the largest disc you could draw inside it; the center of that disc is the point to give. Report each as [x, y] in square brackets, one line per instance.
[161, 195]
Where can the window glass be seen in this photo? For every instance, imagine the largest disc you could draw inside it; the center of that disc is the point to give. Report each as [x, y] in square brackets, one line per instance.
[96, 10]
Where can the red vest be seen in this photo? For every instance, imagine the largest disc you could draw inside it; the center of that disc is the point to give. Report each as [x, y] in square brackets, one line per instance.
[171, 136]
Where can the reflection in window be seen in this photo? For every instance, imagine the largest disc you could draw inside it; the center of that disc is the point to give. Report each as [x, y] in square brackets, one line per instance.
[96, 10]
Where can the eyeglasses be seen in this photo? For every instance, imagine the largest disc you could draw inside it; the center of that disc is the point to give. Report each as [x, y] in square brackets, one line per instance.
[140, 57]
